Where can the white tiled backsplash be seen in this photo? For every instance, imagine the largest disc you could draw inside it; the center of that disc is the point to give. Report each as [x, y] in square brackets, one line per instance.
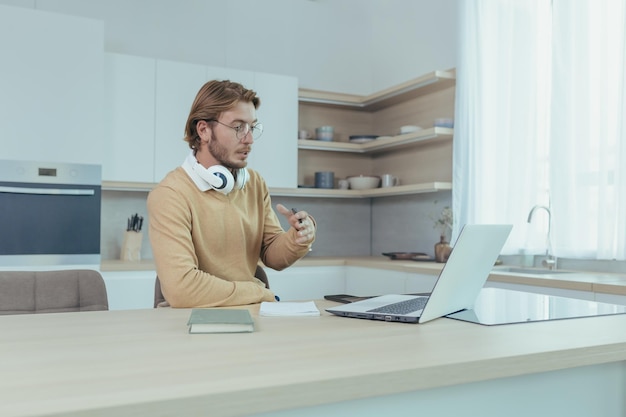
[405, 223]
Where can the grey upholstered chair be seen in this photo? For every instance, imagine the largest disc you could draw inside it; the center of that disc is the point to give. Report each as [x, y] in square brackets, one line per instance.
[27, 292]
[159, 299]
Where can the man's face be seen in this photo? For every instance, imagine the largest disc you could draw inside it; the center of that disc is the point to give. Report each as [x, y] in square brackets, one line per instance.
[224, 145]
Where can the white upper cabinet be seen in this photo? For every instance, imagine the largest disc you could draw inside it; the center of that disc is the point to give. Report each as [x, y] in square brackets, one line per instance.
[275, 154]
[51, 84]
[129, 118]
[177, 84]
[147, 104]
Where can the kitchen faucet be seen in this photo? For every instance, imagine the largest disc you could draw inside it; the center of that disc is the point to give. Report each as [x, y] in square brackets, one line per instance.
[550, 261]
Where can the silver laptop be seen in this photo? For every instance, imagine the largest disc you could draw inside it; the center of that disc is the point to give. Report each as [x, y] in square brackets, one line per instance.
[456, 289]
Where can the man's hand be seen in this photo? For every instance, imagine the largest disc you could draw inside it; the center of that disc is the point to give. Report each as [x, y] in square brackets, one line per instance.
[300, 221]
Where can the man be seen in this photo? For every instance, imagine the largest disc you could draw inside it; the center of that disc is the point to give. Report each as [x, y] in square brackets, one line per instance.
[211, 219]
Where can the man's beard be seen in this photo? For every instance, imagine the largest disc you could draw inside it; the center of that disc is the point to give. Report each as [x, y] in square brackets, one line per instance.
[221, 154]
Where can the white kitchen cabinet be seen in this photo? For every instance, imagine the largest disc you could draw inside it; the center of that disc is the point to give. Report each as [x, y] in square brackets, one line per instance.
[134, 82]
[129, 118]
[420, 283]
[275, 154]
[135, 289]
[306, 283]
[51, 86]
[129, 290]
[177, 84]
[610, 298]
[368, 281]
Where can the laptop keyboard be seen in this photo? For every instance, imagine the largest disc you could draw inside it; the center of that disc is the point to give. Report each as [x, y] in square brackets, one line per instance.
[402, 307]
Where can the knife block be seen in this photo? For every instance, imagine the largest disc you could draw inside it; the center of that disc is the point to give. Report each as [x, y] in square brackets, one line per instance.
[131, 246]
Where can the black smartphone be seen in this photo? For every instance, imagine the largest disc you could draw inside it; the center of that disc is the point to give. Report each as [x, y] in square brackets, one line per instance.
[344, 298]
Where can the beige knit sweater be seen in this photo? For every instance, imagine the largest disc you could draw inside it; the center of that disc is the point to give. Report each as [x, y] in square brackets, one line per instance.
[206, 245]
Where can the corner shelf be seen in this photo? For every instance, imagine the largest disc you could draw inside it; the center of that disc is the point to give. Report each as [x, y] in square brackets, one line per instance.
[430, 187]
[428, 83]
[421, 137]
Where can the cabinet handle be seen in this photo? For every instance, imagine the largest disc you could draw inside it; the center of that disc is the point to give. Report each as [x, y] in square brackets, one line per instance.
[46, 191]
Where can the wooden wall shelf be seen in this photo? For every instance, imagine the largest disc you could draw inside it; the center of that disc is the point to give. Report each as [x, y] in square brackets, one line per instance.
[421, 137]
[430, 187]
[426, 84]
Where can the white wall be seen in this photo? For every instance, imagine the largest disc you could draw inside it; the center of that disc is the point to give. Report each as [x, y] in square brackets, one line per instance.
[411, 38]
[352, 46]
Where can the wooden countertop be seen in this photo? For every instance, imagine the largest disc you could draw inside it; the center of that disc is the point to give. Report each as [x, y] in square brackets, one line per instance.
[144, 363]
[600, 282]
[607, 283]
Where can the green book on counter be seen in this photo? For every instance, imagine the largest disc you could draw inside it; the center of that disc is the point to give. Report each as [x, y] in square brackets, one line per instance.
[216, 320]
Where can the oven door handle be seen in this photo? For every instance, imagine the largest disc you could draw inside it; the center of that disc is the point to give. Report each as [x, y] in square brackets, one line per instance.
[46, 191]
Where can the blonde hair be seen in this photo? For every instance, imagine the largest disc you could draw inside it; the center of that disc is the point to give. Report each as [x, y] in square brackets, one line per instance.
[214, 98]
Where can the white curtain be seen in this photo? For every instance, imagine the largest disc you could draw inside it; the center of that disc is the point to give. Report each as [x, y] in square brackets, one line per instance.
[500, 122]
[588, 175]
[532, 129]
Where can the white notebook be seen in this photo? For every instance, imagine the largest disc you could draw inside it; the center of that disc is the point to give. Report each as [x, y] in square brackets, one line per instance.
[283, 308]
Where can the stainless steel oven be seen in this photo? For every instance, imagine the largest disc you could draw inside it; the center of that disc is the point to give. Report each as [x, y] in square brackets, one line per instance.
[49, 213]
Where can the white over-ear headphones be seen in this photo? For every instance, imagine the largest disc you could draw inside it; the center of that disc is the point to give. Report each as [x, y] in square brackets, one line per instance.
[220, 178]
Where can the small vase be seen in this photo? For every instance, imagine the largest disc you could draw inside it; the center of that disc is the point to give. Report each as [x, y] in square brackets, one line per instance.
[442, 250]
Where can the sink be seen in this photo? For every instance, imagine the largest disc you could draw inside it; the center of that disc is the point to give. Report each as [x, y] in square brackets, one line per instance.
[530, 271]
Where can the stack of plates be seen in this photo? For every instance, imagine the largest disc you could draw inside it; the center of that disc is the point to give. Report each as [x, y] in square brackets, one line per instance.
[409, 129]
[362, 138]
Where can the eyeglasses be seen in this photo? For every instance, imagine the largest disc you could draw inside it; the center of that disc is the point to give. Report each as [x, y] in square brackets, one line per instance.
[243, 129]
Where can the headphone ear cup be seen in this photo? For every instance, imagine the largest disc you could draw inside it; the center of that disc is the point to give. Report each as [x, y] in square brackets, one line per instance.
[223, 180]
[217, 176]
[242, 178]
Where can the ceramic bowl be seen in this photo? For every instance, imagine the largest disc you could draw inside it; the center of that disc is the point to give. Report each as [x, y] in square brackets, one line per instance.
[363, 182]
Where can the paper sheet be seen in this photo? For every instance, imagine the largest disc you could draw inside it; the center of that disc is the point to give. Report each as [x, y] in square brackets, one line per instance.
[283, 308]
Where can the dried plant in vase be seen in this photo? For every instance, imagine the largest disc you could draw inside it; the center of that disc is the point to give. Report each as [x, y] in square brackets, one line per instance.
[443, 224]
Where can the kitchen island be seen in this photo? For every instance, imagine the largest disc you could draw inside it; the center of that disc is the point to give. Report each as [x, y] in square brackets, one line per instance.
[144, 363]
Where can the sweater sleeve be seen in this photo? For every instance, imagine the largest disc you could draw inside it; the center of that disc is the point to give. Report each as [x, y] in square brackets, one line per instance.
[183, 283]
[280, 249]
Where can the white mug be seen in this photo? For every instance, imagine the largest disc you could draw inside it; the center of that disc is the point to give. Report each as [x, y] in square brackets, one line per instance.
[304, 134]
[389, 180]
